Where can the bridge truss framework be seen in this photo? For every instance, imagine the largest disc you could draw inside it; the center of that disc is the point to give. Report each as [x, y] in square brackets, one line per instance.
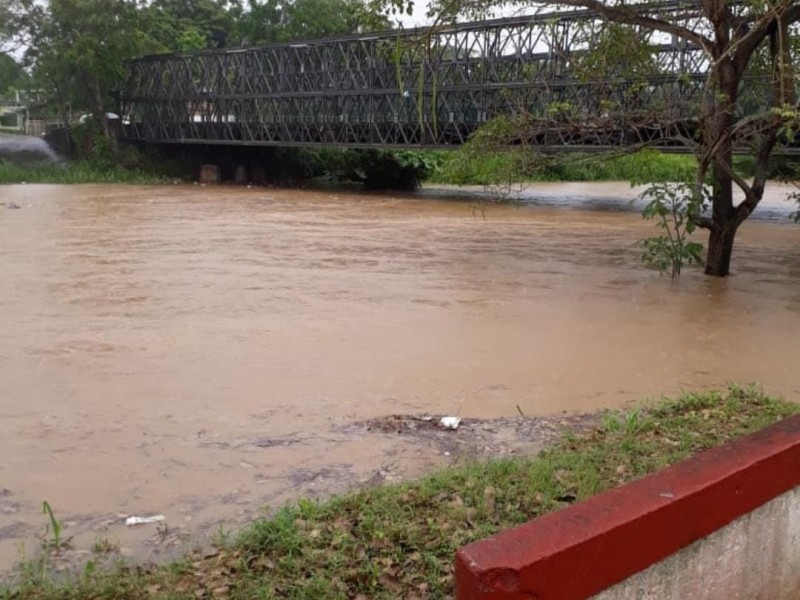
[420, 88]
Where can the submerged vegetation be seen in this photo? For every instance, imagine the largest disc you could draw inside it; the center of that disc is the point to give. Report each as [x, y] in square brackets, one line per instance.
[672, 206]
[399, 541]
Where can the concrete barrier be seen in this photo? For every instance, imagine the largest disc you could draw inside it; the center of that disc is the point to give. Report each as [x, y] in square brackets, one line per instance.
[723, 524]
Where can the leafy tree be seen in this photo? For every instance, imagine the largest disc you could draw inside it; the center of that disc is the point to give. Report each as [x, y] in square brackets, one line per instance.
[279, 20]
[184, 25]
[76, 49]
[6, 22]
[739, 39]
[12, 74]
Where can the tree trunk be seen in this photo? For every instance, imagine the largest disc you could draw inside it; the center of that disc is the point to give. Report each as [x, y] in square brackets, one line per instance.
[63, 104]
[99, 110]
[720, 249]
[723, 213]
[723, 230]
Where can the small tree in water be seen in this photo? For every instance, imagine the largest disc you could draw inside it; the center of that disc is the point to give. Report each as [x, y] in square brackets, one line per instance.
[674, 207]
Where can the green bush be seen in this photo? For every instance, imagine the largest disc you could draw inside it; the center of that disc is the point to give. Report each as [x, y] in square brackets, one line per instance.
[400, 170]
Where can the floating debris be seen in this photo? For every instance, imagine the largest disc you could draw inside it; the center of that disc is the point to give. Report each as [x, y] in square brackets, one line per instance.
[131, 521]
[450, 422]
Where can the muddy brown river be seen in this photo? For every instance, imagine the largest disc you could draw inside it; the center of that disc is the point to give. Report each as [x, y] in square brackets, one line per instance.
[203, 352]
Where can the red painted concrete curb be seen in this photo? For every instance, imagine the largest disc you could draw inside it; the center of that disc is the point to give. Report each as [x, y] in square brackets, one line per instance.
[582, 550]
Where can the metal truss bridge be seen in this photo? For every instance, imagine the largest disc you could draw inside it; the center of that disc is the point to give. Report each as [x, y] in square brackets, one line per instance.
[425, 88]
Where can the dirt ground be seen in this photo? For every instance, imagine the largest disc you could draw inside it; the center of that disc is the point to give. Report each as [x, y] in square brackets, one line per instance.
[411, 445]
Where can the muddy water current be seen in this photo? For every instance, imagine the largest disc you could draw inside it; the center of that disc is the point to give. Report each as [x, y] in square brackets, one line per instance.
[202, 352]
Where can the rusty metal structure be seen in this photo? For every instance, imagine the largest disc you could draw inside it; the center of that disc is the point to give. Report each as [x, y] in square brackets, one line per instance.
[425, 88]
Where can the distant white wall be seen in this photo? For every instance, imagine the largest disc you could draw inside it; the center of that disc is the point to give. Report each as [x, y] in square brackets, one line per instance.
[756, 557]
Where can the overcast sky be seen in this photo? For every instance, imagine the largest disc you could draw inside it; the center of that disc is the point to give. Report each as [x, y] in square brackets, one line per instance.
[419, 17]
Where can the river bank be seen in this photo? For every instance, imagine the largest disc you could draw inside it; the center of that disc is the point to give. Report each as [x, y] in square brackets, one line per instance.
[444, 171]
[24, 159]
[399, 540]
[74, 173]
[778, 204]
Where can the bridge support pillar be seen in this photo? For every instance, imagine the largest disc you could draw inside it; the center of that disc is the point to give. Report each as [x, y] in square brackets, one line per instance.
[209, 174]
[240, 175]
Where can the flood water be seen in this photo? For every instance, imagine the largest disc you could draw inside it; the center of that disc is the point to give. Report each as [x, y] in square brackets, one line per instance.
[199, 352]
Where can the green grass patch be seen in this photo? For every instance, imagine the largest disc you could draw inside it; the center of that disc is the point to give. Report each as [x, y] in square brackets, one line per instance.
[463, 167]
[74, 172]
[399, 541]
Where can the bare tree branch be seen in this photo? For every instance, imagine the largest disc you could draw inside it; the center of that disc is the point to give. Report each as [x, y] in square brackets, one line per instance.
[783, 93]
[704, 222]
[630, 16]
[789, 12]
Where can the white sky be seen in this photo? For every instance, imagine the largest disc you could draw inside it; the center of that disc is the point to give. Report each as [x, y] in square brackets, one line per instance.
[417, 19]
[419, 16]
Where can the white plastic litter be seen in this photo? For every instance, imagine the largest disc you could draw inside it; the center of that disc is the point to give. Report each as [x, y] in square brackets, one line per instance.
[130, 521]
[450, 422]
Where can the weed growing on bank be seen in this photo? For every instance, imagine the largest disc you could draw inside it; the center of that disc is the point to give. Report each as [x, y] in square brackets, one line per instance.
[399, 541]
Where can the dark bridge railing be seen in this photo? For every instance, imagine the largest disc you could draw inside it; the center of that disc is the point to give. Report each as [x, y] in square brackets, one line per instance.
[424, 88]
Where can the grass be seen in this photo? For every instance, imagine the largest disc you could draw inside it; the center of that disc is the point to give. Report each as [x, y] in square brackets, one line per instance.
[54, 527]
[492, 168]
[398, 541]
[75, 172]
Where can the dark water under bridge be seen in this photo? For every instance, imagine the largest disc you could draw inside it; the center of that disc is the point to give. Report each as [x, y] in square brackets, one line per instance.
[425, 88]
